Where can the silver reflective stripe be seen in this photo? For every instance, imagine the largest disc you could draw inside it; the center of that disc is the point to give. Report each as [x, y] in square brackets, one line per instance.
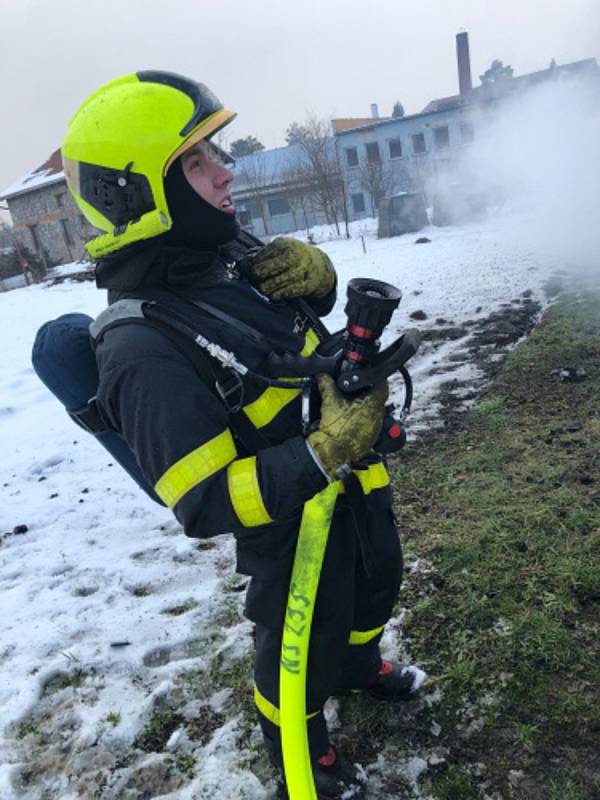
[122, 309]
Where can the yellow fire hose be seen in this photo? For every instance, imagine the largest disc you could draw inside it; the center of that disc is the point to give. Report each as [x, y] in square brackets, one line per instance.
[310, 550]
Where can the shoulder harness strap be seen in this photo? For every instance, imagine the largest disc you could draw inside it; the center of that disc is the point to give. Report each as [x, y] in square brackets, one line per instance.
[226, 382]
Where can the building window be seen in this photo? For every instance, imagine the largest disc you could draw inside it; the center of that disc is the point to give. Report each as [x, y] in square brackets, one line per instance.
[441, 137]
[358, 203]
[278, 206]
[372, 152]
[395, 148]
[60, 199]
[67, 231]
[352, 156]
[467, 132]
[250, 206]
[244, 217]
[418, 143]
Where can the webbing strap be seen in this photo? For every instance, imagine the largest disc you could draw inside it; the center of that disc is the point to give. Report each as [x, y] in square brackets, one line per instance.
[244, 493]
[271, 712]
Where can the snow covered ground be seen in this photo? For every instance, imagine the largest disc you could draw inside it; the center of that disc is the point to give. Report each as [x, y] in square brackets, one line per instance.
[104, 602]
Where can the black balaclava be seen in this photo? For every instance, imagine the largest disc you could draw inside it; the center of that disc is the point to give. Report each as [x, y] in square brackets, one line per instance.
[196, 224]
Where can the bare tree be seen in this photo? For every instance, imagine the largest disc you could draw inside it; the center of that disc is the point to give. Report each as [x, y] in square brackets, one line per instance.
[379, 180]
[318, 147]
[257, 178]
[300, 190]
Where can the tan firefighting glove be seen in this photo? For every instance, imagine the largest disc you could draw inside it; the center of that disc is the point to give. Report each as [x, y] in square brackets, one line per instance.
[287, 268]
[348, 428]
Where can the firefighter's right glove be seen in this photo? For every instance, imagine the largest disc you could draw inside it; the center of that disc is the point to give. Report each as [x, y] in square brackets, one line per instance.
[348, 428]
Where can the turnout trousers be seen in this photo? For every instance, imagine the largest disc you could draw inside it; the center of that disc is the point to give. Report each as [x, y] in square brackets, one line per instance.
[351, 610]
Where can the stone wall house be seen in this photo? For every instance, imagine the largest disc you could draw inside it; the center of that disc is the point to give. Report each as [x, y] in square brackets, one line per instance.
[45, 217]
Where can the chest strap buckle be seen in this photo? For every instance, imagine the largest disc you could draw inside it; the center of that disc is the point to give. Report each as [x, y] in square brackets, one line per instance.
[231, 390]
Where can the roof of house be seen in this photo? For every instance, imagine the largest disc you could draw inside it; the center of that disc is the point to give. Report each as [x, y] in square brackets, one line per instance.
[516, 82]
[269, 167]
[443, 104]
[482, 93]
[348, 123]
[51, 171]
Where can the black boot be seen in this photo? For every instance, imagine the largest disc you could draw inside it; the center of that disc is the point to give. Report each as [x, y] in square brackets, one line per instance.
[335, 778]
[395, 683]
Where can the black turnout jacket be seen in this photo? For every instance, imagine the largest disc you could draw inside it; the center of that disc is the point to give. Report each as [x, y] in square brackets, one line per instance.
[177, 425]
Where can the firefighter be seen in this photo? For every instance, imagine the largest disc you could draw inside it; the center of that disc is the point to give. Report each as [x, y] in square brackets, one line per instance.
[141, 162]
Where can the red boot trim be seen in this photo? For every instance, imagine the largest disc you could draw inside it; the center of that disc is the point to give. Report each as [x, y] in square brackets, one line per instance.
[329, 759]
[385, 668]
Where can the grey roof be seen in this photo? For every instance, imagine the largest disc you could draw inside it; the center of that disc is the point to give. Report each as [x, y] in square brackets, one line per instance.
[271, 167]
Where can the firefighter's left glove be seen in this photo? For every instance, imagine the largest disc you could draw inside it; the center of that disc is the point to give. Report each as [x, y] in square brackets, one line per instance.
[348, 428]
[287, 268]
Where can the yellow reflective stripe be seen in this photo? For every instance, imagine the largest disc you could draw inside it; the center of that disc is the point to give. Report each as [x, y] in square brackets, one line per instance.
[362, 637]
[266, 407]
[271, 712]
[311, 342]
[273, 400]
[244, 492]
[376, 477]
[195, 467]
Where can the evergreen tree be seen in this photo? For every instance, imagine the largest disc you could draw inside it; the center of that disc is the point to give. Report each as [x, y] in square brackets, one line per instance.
[496, 73]
[296, 133]
[245, 146]
[398, 110]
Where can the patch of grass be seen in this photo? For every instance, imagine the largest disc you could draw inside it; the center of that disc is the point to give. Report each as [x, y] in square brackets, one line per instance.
[181, 608]
[565, 788]
[506, 515]
[141, 590]
[113, 718]
[455, 784]
[157, 731]
[64, 680]
[204, 724]
[84, 591]
[229, 614]
[186, 764]
[28, 727]
[526, 733]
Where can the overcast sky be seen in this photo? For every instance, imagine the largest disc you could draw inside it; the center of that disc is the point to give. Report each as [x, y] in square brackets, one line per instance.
[272, 62]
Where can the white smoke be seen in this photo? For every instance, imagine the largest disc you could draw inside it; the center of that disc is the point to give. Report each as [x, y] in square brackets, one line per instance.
[537, 155]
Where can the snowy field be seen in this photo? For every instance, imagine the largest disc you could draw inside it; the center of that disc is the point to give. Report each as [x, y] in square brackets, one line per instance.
[105, 603]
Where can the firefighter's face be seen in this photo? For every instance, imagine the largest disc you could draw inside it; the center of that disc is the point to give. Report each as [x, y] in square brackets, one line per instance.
[208, 176]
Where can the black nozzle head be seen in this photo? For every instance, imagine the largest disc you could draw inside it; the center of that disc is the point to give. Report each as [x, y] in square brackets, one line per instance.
[374, 293]
[371, 303]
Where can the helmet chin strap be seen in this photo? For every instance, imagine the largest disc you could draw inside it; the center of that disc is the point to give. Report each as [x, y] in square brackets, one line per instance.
[196, 223]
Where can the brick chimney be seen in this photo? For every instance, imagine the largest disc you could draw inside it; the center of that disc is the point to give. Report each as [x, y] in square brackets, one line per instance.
[465, 82]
